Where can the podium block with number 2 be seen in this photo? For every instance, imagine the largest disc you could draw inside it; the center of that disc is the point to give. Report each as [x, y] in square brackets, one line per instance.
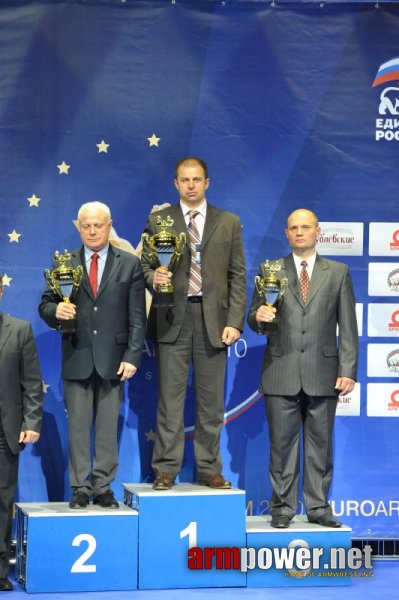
[63, 550]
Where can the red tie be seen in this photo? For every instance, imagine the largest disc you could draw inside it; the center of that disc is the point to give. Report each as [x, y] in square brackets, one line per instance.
[93, 274]
[304, 281]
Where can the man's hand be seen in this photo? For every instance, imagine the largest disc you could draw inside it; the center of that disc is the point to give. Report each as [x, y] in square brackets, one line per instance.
[28, 437]
[65, 311]
[344, 385]
[161, 277]
[126, 370]
[265, 314]
[230, 335]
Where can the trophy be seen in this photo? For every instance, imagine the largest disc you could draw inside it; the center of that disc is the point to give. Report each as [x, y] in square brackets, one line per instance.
[64, 280]
[165, 249]
[271, 287]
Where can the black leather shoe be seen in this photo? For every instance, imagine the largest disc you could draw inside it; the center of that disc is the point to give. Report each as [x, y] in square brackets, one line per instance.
[106, 500]
[5, 585]
[163, 481]
[79, 499]
[280, 521]
[326, 521]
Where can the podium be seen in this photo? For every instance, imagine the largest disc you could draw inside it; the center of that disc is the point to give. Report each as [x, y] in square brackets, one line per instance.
[65, 550]
[327, 548]
[187, 516]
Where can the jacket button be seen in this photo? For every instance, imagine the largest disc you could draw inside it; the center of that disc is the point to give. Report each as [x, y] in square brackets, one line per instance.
[302, 351]
[95, 333]
[95, 308]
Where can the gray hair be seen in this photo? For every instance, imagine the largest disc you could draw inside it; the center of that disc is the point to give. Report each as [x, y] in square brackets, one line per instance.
[93, 207]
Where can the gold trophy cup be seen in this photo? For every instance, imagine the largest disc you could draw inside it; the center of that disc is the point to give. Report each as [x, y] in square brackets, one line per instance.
[164, 249]
[64, 280]
[271, 287]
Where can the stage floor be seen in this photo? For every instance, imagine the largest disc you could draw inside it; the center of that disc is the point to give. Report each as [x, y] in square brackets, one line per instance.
[379, 587]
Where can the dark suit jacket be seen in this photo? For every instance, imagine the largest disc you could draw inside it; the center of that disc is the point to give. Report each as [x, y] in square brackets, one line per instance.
[223, 276]
[21, 386]
[111, 327]
[303, 352]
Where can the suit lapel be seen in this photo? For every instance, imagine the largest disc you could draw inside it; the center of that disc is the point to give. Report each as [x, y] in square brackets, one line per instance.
[78, 258]
[292, 277]
[319, 276]
[5, 330]
[211, 222]
[111, 265]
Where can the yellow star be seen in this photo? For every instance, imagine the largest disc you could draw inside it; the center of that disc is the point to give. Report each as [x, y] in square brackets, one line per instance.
[63, 167]
[34, 201]
[6, 279]
[14, 236]
[150, 435]
[103, 147]
[45, 387]
[154, 140]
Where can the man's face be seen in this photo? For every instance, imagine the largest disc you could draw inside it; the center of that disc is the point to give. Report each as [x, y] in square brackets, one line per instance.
[94, 228]
[302, 232]
[191, 184]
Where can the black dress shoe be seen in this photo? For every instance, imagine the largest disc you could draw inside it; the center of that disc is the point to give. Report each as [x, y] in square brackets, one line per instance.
[280, 521]
[79, 499]
[106, 500]
[326, 521]
[5, 585]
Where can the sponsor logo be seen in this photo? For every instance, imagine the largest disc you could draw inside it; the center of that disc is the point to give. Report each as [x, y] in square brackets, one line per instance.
[393, 361]
[394, 324]
[387, 126]
[394, 401]
[340, 238]
[393, 280]
[394, 245]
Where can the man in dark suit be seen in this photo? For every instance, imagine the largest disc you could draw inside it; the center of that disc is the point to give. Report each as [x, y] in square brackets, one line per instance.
[207, 316]
[104, 352]
[21, 395]
[304, 370]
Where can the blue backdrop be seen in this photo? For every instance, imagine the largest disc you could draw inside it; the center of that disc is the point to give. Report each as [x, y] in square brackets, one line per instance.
[100, 98]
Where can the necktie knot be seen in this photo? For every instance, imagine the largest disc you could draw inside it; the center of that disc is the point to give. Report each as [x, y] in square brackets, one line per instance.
[193, 214]
[304, 264]
[94, 257]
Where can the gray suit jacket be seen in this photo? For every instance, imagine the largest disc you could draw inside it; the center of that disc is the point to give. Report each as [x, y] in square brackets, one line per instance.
[303, 351]
[223, 276]
[110, 327]
[21, 386]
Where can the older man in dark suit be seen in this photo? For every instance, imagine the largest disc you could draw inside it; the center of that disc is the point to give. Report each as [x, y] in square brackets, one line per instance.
[21, 394]
[104, 352]
[207, 316]
[304, 370]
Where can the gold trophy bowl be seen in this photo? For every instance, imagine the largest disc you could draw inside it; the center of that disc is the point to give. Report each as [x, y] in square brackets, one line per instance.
[271, 287]
[64, 280]
[164, 249]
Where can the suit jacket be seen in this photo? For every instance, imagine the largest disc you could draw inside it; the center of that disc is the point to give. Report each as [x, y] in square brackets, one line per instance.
[223, 276]
[111, 327]
[303, 351]
[21, 385]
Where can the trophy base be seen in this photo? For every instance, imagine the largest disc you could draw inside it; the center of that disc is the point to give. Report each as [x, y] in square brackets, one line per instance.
[67, 326]
[163, 299]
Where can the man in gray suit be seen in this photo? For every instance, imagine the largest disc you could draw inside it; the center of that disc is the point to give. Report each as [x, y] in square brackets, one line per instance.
[207, 316]
[104, 352]
[21, 395]
[304, 370]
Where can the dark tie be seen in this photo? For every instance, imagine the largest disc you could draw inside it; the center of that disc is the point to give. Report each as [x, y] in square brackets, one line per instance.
[304, 281]
[93, 273]
[195, 278]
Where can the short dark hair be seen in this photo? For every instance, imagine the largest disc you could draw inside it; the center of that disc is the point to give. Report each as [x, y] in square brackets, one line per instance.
[186, 161]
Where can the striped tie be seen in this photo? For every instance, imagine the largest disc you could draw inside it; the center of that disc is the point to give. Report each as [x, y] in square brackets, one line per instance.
[304, 281]
[195, 278]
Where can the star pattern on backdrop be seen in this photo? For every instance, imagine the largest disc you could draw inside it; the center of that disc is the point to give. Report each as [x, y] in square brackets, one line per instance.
[154, 140]
[6, 279]
[14, 236]
[34, 200]
[103, 147]
[150, 435]
[63, 168]
[45, 387]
